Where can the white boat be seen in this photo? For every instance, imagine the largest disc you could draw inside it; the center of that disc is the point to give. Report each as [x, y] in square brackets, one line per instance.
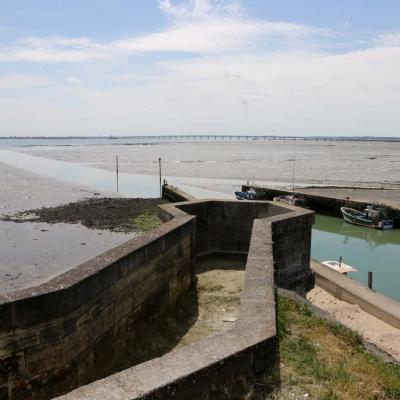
[339, 266]
[292, 199]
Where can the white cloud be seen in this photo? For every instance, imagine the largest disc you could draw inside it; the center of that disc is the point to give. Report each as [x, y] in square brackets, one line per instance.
[388, 39]
[288, 93]
[247, 75]
[73, 80]
[22, 81]
[199, 26]
[202, 9]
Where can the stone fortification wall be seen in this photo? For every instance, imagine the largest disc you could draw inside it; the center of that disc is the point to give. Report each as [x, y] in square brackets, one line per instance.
[173, 194]
[80, 326]
[226, 226]
[229, 364]
[291, 235]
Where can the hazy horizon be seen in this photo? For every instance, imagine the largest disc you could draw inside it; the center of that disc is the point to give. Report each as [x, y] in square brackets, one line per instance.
[172, 67]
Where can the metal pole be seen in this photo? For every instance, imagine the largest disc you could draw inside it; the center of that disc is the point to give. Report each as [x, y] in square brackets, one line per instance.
[370, 280]
[116, 161]
[159, 168]
[294, 169]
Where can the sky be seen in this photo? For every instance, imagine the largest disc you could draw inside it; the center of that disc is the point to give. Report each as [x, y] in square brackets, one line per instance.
[151, 67]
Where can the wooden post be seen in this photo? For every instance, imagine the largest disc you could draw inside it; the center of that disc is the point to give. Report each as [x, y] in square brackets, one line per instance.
[116, 162]
[159, 168]
[370, 280]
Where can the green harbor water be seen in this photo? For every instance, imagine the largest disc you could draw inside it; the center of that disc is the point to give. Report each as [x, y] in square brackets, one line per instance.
[366, 249]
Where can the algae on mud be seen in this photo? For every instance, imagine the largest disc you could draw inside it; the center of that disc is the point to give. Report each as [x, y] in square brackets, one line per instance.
[114, 214]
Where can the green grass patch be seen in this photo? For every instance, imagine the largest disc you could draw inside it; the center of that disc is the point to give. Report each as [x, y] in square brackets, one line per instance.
[324, 360]
[146, 221]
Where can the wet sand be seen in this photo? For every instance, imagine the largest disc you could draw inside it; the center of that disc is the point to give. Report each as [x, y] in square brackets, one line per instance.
[360, 163]
[31, 253]
[23, 190]
[374, 330]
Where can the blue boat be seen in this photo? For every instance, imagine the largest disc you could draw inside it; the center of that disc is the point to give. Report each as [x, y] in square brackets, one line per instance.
[249, 195]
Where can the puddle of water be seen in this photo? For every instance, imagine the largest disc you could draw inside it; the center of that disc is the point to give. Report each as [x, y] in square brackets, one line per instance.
[33, 252]
[366, 249]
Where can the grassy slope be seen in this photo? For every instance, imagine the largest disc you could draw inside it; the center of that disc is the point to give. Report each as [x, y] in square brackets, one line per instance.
[325, 361]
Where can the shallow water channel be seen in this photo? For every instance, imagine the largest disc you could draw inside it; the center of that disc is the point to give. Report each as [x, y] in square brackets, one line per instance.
[366, 249]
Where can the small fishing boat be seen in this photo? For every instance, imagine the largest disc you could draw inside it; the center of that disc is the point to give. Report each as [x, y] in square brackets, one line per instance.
[339, 266]
[293, 199]
[248, 195]
[371, 217]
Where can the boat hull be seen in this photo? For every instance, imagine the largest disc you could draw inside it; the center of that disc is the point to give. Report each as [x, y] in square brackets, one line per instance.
[358, 218]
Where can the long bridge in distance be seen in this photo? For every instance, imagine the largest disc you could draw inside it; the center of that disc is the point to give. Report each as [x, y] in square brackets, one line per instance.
[260, 137]
[220, 138]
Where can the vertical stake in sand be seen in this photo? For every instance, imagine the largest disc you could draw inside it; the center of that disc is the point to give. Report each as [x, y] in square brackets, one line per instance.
[117, 170]
[370, 280]
[159, 169]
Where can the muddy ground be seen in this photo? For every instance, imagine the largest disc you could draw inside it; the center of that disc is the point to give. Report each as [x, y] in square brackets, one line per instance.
[113, 214]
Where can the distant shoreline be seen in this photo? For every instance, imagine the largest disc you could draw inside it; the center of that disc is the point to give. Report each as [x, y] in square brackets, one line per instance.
[210, 137]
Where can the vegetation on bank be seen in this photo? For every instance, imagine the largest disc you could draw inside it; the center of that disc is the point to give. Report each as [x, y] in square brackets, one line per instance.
[326, 361]
[114, 214]
[146, 221]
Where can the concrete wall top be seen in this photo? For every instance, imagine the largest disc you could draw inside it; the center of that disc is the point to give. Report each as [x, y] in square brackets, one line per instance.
[159, 378]
[68, 291]
[346, 289]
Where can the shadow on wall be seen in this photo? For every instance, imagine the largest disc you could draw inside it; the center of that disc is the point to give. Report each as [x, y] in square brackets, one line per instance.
[210, 306]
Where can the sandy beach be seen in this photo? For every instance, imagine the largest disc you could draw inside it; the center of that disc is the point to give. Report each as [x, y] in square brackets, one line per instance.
[374, 330]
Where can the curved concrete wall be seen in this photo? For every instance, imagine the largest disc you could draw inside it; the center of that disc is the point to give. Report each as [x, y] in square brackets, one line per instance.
[77, 328]
[228, 364]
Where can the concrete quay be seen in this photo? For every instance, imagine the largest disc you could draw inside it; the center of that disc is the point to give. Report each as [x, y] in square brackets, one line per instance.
[327, 201]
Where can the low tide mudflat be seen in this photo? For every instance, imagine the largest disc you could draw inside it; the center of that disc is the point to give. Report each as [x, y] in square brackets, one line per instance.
[210, 169]
[48, 226]
[366, 163]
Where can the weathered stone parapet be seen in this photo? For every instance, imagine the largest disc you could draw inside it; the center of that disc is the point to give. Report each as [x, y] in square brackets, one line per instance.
[291, 237]
[232, 363]
[78, 327]
[173, 194]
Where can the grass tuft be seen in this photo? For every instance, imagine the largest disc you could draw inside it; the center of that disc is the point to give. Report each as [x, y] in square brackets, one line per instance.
[324, 360]
[146, 221]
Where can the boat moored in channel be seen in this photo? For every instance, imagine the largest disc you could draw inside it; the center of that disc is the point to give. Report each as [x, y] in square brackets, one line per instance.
[371, 217]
